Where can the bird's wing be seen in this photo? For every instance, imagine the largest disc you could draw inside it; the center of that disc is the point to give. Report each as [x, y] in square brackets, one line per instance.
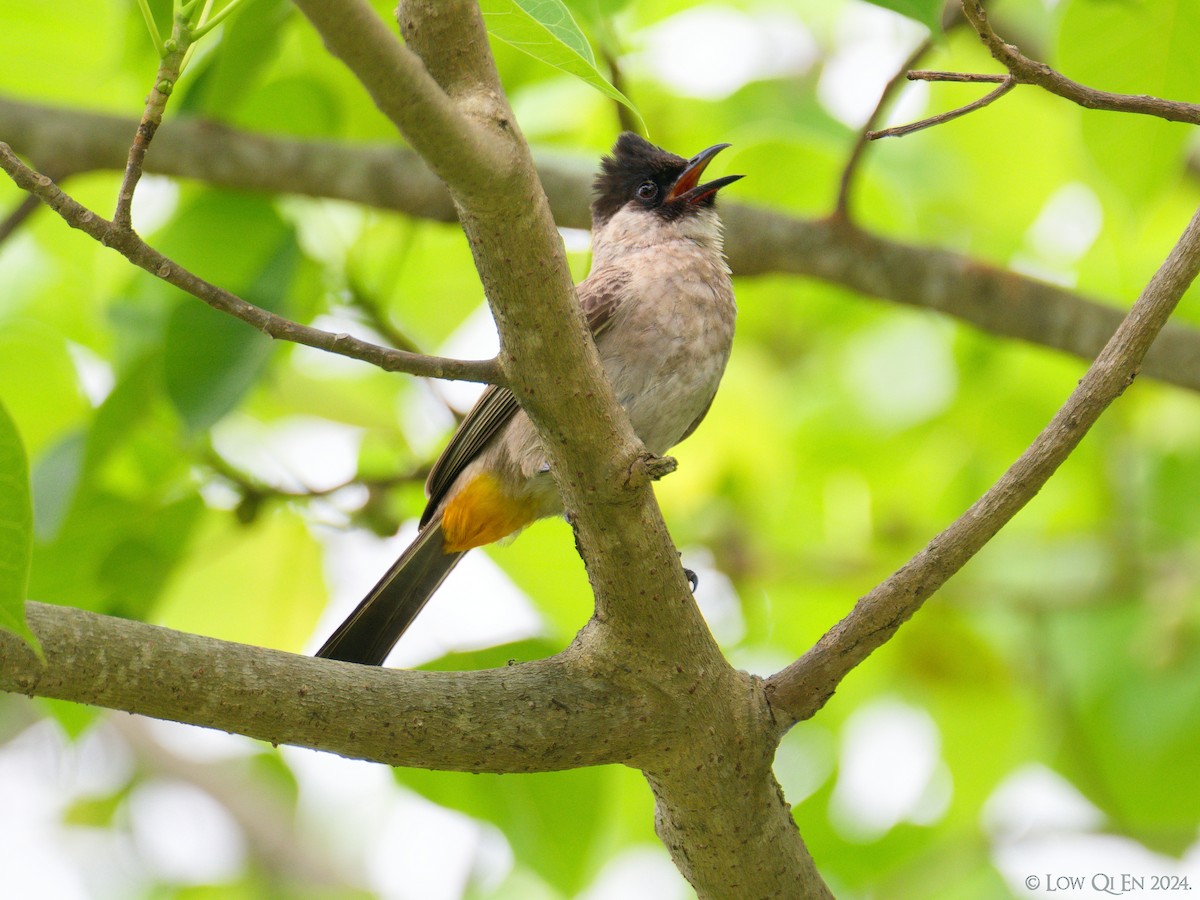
[494, 408]
[600, 294]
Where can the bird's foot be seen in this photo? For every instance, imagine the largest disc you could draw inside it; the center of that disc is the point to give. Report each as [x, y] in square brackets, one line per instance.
[647, 467]
[693, 579]
[660, 466]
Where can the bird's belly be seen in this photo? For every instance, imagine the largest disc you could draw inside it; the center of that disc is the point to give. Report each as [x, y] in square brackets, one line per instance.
[666, 359]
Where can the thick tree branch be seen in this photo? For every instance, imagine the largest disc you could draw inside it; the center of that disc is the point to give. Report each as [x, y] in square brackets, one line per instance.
[683, 821]
[138, 252]
[804, 687]
[718, 802]
[457, 147]
[995, 300]
[713, 792]
[379, 175]
[759, 241]
[539, 716]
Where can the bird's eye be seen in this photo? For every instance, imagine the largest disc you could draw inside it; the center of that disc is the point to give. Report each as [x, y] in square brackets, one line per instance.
[647, 190]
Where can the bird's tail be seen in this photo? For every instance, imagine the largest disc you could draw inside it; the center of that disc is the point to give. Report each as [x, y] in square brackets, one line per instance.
[370, 632]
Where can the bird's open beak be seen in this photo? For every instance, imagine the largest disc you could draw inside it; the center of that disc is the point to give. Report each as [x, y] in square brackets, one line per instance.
[686, 188]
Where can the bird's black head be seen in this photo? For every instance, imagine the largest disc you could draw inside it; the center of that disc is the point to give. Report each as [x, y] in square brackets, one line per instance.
[639, 172]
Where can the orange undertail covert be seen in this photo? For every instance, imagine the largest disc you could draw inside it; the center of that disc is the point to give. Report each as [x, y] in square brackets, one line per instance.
[482, 512]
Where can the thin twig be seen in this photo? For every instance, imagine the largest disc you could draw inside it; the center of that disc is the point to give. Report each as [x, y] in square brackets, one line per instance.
[842, 205]
[1023, 70]
[1029, 71]
[803, 687]
[169, 67]
[141, 254]
[1007, 85]
[964, 77]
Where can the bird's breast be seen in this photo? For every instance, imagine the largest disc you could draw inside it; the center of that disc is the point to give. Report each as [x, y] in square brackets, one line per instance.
[668, 345]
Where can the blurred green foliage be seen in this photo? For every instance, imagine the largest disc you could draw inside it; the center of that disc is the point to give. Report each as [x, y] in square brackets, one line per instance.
[846, 434]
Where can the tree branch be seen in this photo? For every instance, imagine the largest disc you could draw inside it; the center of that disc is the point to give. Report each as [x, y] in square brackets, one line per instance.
[997, 301]
[169, 67]
[758, 241]
[1023, 70]
[458, 148]
[1006, 85]
[960, 77]
[128, 244]
[250, 485]
[572, 710]
[533, 717]
[803, 687]
[647, 632]
[1029, 71]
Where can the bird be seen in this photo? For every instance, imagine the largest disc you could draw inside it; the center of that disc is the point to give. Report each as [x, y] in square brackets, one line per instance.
[659, 303]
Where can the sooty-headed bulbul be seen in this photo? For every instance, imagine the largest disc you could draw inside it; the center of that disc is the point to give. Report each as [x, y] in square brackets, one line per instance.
[659, 303]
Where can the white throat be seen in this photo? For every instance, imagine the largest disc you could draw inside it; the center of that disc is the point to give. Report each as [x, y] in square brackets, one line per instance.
[633, 228]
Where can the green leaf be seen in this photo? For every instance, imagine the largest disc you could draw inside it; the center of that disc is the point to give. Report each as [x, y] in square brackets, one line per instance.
[16, 531]
[597, 17]
[546, 31]
[927, 12]
[212, 359]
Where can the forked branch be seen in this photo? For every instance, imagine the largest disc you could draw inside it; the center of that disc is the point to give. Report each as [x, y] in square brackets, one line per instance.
[1030, 71]
[1023, 70]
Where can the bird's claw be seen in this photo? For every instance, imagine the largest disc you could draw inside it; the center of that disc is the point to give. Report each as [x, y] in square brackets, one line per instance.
[693, 580]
